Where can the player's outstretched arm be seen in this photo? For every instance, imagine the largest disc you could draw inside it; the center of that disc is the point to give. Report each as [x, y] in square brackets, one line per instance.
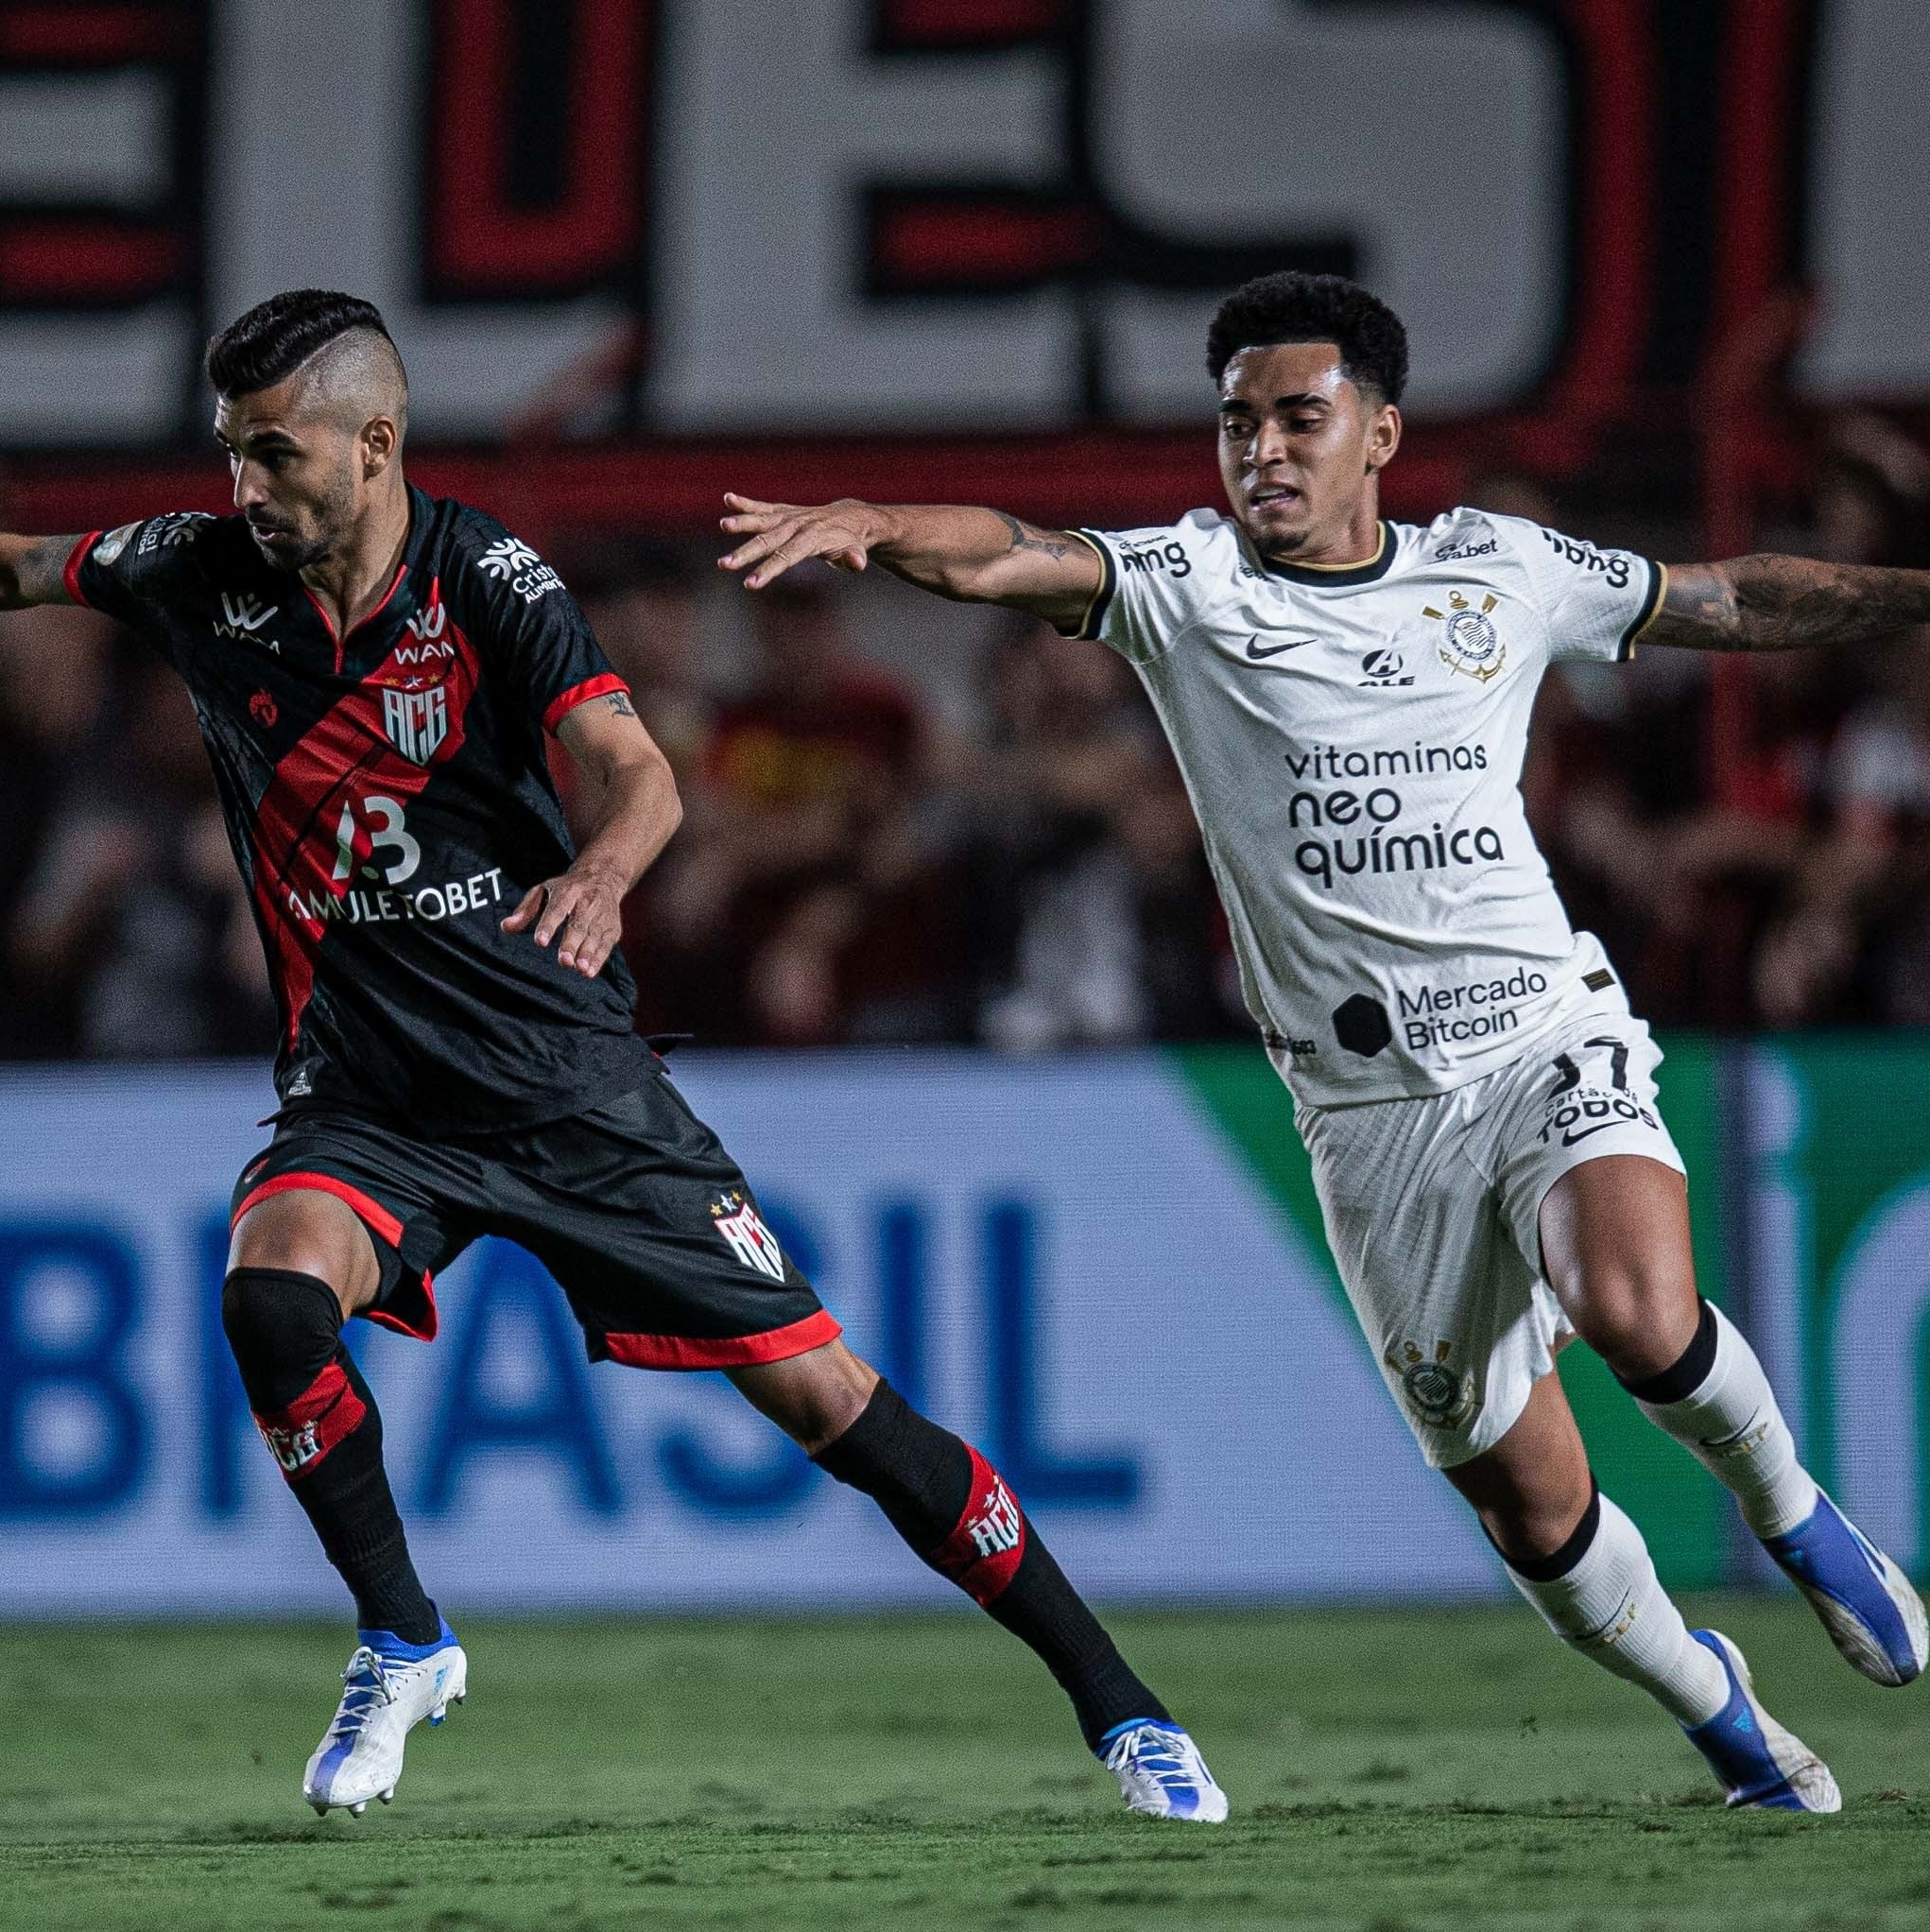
[33, 571]
[1785, 603]
[974, 556]
[633, 809]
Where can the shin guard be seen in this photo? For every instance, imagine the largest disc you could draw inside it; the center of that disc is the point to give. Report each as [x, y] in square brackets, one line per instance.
[318, 1417]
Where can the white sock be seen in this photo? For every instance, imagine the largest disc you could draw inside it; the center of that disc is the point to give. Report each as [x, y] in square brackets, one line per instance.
[1731, 1424]
[1611, 1606]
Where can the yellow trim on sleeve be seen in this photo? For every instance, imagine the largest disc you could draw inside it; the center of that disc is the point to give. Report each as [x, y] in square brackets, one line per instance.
[1654, 610]
[1085, 632]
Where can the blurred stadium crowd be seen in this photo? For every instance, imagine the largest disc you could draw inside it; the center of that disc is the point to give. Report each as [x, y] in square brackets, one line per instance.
[909, 823]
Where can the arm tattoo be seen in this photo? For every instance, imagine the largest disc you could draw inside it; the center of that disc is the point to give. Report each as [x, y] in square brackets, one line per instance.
[619, 704]
[1026, 537]
[1785, 603]
[38, 572]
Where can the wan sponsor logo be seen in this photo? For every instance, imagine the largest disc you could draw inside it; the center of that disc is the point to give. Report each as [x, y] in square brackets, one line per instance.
[243, 616]
[428, 653]
[427, 626]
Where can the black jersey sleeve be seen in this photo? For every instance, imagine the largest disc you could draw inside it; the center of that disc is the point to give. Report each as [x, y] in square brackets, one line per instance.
[529, 627]
[133, 572]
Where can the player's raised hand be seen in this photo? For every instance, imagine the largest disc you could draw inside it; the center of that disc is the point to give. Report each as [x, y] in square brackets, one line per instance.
[780, 535]
[582, 911]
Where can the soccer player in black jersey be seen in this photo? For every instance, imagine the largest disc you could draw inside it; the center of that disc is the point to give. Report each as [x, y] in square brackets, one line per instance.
[373, 670]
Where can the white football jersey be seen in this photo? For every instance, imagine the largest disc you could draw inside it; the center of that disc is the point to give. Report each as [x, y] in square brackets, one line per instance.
[1353, 741]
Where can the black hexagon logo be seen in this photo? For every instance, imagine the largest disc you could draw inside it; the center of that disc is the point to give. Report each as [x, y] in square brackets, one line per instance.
[1361, 1024]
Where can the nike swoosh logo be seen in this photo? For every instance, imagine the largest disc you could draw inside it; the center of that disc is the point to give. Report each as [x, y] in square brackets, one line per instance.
[1260, 652]
[1568, 1140]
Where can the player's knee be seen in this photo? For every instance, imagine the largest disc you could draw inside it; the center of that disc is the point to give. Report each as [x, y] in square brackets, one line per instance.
[281, 1326]
[813, 1398]
[1530, 1531]
[1638, 1316]
[308, 1232]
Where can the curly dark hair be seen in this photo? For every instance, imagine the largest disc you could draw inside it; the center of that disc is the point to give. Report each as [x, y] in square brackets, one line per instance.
[276, 336]
[1293, 307]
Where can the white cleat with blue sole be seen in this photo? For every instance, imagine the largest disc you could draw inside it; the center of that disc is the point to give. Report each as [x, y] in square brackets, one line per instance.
[1160, 1773]
[1869, 1608]
[1759, 1763]
[388, 1689]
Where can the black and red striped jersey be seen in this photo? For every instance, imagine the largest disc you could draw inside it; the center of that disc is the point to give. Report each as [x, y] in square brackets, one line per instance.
[389, 801]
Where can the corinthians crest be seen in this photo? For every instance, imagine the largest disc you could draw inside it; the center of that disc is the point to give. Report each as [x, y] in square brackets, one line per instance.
[1470, 643]
[1439, 1395]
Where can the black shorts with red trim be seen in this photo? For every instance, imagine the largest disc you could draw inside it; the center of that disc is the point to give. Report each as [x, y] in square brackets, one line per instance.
[646, 1223]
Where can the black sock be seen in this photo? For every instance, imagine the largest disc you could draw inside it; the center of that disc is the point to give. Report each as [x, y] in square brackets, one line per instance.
[319, 1420]
[953, 1510]
[1686, 1373]
[1557, 1563]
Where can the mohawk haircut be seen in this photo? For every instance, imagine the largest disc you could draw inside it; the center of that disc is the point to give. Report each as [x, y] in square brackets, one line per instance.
[1295, 307]
[276, 336]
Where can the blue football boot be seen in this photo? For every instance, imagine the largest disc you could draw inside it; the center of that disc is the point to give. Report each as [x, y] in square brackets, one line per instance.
[388, 1689]
[1160, 1773]
[1869, 1608]
[1758, 1762]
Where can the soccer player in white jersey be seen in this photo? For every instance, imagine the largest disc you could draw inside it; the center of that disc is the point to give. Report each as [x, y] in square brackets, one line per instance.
[1349, 701]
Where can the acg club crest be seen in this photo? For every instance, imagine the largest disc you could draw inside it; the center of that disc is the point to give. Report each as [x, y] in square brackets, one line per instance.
[1441, 1396]
[748, 1237]
[1470, 643]
[416, 721]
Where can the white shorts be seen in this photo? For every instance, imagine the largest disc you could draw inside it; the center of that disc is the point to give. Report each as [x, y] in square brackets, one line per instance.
[1433, 1211]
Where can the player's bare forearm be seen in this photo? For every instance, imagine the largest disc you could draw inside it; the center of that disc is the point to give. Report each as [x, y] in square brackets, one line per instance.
[1785, 603]
[633, 809]
[640, 812]
[970, 555]
[33, 570]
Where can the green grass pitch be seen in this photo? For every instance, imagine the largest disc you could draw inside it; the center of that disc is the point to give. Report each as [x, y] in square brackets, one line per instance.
[1389, 1772]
